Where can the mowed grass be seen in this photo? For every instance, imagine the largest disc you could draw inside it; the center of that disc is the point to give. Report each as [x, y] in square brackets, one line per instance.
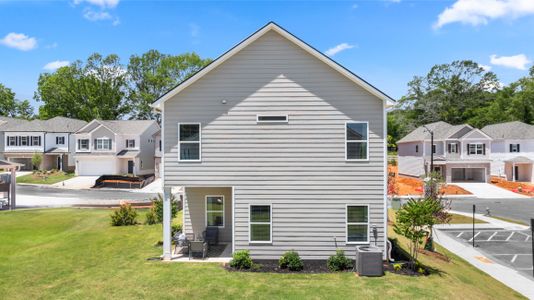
[76, 254]
[50, 179]
[461, 219]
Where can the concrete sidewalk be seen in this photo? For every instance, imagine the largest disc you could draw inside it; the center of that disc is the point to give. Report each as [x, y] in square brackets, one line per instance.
[477, 258]
[488, 191]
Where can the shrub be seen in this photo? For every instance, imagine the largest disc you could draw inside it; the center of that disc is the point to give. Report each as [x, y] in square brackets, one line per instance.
[157, 207]
[397, 267]
[241, 260]
[339, 262]
[150, 217]
[175, 228]
[125, 215]
[37, 159]
[291, 260]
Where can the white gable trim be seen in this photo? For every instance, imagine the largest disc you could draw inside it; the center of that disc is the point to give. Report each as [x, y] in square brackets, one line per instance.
[272, 26]
[466, 137]
[99, 125]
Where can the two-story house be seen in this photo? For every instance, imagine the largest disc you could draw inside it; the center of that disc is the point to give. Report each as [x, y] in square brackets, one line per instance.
[116, 147]
[51, 138]
[6, 122]
[279, 147]
[460, 152]
[157, 154]
[512, 150]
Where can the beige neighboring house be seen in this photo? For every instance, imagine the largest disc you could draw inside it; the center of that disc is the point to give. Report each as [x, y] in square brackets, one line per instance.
[116, 147]
[52, 138]
[279, 147]
[512, 150]
[461, 153]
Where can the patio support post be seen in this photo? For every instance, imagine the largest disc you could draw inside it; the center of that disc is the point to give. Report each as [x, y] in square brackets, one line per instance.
[167, 247]
[13, 187]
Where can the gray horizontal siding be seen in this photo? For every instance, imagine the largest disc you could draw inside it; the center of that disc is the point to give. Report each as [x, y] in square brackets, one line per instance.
[298, 167]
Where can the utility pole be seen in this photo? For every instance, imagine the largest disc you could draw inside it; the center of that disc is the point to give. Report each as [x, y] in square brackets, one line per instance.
[431, 148]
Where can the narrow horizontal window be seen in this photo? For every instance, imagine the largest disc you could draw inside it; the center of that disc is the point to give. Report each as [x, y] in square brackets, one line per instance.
[271, 118]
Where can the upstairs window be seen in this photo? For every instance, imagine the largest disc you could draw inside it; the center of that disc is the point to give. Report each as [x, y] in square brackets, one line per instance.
[514, 148]
[36, 141]
[434, 148]
[357, 224]
[24, 141]
[356, 141]
[130, 143]
[83, 144]
[271, 118]
[103, 144]
[215, 211]
[60, 140]
[476, 149]
[189, 142]
[12, 141]
[453, 148]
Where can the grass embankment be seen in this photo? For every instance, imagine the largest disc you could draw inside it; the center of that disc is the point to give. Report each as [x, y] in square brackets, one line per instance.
[51, 178]
[75, 253]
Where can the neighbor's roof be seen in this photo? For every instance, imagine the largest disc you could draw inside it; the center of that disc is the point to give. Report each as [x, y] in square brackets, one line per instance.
[56, 124]
[271, 26]
[442, 130]
[510, 130]
[128, 153]
[6, 122]
[519, 159]
[123, 126]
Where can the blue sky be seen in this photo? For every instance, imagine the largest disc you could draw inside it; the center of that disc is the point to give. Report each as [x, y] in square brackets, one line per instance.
[386, 42]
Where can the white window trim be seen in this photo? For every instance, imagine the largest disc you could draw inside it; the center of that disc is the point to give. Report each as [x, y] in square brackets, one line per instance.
[128, 143]
[14, 141]
[103, 148]
[272, 115]
[515, 148]
[58, 139]
[27, 139]
[207, 211]
[476, 149]
[347, 141]
[357, 223]
[455, 146]
[270, 241]
[78, 143]
[190, 142]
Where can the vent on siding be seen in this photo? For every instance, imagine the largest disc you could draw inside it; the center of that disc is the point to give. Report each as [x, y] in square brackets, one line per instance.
[271, 118]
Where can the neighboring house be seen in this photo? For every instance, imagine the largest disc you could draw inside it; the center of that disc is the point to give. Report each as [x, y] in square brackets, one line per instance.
[52, 138]
[116, 147]
[461, 152]
[278, 146]
[512, 150]
[157, 154]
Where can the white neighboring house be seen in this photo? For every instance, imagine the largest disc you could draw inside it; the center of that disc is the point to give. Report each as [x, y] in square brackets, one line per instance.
[512, 150]
[116, 147]
[157, 155]
[52, 138]
[461, 152]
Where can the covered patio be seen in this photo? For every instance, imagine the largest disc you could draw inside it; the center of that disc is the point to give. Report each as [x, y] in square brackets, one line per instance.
[519, 169]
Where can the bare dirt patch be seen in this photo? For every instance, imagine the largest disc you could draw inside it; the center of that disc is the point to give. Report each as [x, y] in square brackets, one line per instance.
[522, 188]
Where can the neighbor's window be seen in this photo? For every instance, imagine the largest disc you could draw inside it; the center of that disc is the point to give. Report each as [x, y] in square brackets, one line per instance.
[24, 140]
[36, 141]
[475, 149]
[260, 224]
[83, 144]
[357, 224]
[189, 142]
[453, 148]
[60, 140]
[215, 211]
[514, 147]
[130, 143]
[357, 141]
[271, 118]
[103, 144]
[12, 141]
[434, 148]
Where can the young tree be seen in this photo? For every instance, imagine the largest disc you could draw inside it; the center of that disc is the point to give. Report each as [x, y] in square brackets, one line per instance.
[11, 107]
[37, 159]
[94, 89]
[153, 74]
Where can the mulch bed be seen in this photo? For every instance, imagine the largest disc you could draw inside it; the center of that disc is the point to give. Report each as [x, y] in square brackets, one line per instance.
[271, 266]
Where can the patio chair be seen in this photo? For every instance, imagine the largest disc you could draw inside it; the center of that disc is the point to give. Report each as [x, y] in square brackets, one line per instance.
[198, 247]
[180, 241]
[211, 235]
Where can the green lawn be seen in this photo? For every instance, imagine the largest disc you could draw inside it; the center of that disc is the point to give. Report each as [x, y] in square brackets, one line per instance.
[461, 219]
[75, 253]
[50, 179]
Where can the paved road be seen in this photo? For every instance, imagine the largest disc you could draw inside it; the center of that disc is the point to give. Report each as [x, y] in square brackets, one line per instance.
[35, 196]
[516, 209]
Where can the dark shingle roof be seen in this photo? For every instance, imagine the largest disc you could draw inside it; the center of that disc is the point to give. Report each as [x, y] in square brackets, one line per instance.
[510, 130]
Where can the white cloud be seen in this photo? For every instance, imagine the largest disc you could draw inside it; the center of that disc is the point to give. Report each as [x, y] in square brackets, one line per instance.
[19, 41]
[93, 16]
[335, 50]
[480, 12]
[51, 46]
[101, 3]
[53, 65]
[519, 61]
[486, 68]
[194, 29]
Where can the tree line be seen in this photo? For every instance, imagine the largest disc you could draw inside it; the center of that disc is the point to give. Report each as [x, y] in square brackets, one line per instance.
[461, 92]
[103, 88]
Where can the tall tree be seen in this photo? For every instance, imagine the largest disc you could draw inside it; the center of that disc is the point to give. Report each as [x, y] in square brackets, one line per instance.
[153, 74]
[94, 89]
[12, 107]
[449, 92]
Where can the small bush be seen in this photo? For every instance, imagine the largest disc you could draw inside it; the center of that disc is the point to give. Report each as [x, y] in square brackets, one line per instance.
[291, 260]
[397, 267]
[241, 260]
[150, 217]
[175, 228]
[157, 208]
[339, 262]
[125, 215]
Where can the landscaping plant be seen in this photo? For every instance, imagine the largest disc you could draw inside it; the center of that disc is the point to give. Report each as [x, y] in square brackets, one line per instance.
[37, 159]
[339, 262]
[291, 260]
[125, 215]
[241, 260]
[434, 190]
[156, 211]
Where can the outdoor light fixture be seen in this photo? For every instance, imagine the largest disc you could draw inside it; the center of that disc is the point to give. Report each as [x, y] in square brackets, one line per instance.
[223, 101]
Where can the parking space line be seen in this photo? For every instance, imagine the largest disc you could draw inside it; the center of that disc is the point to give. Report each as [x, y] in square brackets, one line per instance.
[513, 259]
[476, 234]
[511, 234]
[460, 234]
[494, 234]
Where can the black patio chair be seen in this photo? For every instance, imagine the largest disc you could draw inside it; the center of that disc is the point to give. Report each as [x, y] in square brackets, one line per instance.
[211, 235]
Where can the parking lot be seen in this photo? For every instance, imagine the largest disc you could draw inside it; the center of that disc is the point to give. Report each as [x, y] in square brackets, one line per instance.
[509, 247]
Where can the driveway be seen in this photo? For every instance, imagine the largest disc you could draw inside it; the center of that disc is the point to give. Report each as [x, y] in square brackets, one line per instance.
[488, 191]
[77, 183]
[520, 209]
